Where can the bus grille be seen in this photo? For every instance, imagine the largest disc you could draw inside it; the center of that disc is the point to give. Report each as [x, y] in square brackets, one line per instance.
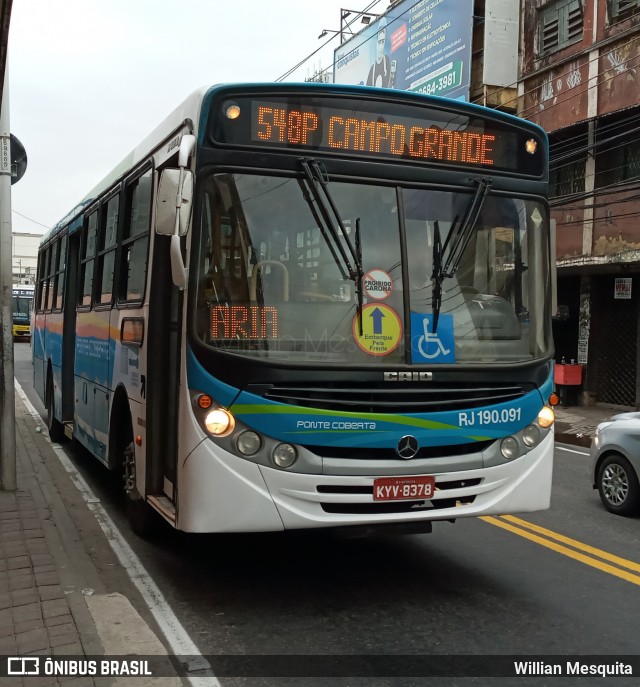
[383, 508]
[371, 453]
[442, 486]
[401, 398]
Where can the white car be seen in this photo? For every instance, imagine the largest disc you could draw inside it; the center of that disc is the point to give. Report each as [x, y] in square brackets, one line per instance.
[615, 463]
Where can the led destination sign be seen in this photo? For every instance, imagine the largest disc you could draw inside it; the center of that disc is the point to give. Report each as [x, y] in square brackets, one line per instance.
[407, 132]
[366, 134]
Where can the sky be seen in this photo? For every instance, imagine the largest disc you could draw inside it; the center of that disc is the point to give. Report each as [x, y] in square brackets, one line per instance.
[89, 79]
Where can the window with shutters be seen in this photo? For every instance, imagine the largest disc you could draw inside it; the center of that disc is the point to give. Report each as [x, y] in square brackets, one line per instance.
[621, 9]
[559, 25]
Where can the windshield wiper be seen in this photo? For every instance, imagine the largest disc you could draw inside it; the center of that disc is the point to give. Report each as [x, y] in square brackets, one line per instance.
[349, 260]
[455, 245]
[437, 276]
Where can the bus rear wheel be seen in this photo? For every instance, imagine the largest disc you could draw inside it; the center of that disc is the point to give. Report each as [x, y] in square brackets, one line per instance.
[143, 520]
[55, 427]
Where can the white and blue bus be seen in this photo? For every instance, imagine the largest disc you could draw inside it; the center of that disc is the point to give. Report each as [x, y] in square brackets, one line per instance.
[305, 306]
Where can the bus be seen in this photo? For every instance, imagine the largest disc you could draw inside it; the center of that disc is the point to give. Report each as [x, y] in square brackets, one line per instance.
[22, 306]
[300, 306]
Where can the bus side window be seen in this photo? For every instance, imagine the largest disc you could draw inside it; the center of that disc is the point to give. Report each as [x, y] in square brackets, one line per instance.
[88, 255]
[107, 249]
[135, 239]
[42, 280]
[52, 264]
[58, 285]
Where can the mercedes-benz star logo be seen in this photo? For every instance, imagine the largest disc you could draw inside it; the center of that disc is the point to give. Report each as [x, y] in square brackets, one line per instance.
[407, 447]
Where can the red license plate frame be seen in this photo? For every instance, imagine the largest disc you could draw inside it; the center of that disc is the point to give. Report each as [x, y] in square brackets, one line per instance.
[412, 488]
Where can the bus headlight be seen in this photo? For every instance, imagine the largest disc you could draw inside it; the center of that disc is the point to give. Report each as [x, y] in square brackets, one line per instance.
[284, 455]
[248, 443]
[219, 422]
[509, 448]
[531, 435]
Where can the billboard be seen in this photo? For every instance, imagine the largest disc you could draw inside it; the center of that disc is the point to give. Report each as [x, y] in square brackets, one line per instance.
[422, 46]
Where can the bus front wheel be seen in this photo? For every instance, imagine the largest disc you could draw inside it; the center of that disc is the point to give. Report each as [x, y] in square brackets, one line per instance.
[143, 520]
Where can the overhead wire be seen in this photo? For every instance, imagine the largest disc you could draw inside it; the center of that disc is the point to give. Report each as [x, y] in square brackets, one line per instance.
[599, 56]
[573, 92]
[331, 38]
[565, 149]
[30, 219]
[557, 148]
[564, 153]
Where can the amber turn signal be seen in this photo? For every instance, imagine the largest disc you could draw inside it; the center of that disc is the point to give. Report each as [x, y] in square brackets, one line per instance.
[205, 401]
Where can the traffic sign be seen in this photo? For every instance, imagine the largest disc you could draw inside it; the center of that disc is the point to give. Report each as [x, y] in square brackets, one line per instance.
[18, 160]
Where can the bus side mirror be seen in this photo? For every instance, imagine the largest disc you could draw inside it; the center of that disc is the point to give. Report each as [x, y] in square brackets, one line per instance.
[173, 204]
[173, 209]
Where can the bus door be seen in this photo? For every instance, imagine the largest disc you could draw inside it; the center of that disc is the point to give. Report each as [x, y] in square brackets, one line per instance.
[69, 325]
[164, 354]
[163, 374]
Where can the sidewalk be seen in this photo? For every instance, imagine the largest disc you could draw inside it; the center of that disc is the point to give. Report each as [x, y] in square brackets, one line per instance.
[63, 591]
[577, 424]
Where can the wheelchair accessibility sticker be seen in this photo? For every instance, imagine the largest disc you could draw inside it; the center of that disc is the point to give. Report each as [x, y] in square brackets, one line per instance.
[428, 346]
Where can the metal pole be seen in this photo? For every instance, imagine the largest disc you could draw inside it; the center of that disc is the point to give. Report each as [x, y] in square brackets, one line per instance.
[7, 392]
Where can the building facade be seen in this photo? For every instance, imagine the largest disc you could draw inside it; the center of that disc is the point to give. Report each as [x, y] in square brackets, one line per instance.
[580, 80]
[24, 251]
[463, 49]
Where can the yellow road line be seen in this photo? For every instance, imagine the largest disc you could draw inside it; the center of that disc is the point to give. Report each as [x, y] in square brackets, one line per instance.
[622, 562]
[559, 548]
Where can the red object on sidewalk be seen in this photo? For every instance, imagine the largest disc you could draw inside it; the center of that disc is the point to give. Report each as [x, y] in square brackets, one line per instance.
[568, 374]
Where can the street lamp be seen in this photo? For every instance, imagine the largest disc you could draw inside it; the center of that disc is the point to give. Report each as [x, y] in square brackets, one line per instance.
[365, 18]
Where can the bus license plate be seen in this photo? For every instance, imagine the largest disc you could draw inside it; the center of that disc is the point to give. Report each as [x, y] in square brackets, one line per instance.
[402, 488]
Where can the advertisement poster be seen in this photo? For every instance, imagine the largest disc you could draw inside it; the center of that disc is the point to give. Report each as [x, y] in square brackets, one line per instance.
[422, 46]
[623, 287]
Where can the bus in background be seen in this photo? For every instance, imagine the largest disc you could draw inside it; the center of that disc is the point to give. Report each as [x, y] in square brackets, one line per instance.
[306, 306]
[22, 308]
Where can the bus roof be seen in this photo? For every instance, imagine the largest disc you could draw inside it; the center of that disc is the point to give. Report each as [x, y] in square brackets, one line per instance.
[189, 111]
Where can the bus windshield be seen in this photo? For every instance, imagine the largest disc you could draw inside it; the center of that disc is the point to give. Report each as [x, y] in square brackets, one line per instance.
[270, 283]
[22, 306]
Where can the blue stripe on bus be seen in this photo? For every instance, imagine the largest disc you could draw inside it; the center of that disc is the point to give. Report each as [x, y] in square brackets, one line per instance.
[314, 426]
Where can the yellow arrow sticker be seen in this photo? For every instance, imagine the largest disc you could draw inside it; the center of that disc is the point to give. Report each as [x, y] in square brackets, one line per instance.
[381, 329]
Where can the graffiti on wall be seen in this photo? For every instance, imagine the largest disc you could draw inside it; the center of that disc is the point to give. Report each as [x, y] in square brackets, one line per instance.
[552, 88]
[619, 81]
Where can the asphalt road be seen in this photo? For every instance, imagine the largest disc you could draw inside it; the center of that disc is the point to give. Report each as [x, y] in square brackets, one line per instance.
[561, 582]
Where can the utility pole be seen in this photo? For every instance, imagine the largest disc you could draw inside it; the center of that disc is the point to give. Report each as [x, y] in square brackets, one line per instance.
[7, 391]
